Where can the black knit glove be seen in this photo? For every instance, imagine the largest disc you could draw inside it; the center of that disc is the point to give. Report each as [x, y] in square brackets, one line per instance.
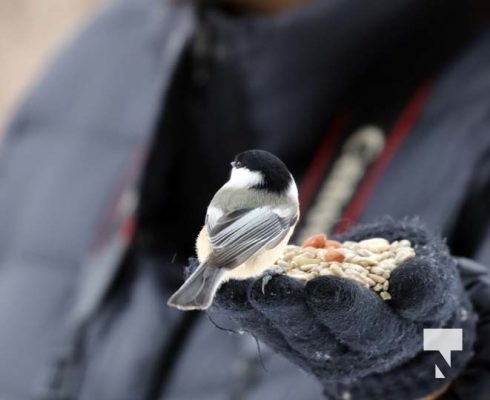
[356, 344]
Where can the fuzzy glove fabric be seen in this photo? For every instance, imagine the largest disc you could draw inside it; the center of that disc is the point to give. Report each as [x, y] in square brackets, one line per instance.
[356, 344]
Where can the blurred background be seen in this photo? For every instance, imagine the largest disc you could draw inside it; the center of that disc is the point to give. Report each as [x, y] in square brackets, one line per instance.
[31, 31]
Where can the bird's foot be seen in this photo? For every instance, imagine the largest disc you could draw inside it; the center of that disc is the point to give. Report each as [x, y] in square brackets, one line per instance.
[269, 274]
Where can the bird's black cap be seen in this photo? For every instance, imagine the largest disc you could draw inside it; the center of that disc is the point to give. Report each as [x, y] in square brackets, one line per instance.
[277, 177]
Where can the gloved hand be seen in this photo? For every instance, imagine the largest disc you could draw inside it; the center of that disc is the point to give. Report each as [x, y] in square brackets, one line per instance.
[356, 344]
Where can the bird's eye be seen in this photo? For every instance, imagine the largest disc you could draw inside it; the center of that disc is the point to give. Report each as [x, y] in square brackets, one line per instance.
[236, 164]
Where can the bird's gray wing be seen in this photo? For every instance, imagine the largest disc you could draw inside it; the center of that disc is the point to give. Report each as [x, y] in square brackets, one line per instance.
[240, 234]
[212, 216]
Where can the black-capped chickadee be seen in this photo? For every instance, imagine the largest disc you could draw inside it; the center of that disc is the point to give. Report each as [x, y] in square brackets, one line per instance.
[248, 223]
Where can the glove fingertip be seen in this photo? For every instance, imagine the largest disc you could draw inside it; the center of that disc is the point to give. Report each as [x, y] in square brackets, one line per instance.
[330, 294]
[420, 290]
[355, 314]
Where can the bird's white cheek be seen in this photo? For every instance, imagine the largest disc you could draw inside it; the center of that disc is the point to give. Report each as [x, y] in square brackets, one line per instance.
[242, 178]
[293, 190]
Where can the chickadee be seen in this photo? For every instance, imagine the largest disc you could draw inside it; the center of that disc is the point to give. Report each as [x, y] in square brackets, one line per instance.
[248, 223]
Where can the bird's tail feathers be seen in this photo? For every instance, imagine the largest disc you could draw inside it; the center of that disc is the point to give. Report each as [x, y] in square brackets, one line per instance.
[198, 291]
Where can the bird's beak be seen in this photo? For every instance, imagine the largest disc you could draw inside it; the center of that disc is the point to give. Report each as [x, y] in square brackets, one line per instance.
[233, 164]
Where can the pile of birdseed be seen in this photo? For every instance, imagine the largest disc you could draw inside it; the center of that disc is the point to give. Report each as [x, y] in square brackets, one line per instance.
[369, 262]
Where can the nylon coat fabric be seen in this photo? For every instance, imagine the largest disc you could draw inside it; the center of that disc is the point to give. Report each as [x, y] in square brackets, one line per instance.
[63, 163]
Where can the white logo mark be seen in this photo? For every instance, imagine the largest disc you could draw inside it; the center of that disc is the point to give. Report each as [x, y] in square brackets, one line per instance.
[443, 341]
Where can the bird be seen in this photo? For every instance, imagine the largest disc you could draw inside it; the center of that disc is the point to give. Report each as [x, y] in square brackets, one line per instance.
[248, 224]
